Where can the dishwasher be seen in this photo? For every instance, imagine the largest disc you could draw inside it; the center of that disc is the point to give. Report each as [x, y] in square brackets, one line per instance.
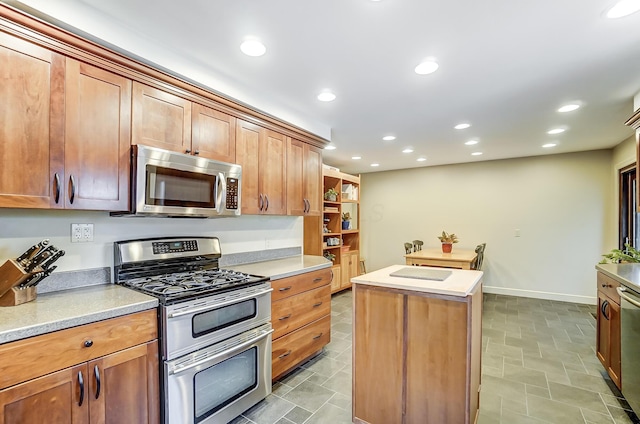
[630, 341]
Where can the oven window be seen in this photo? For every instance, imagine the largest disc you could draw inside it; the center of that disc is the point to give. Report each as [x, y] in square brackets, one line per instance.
[217, 319]
[171, 187]
[223, 383]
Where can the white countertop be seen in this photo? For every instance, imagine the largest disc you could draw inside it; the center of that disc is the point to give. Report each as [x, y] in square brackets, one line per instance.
[286, 267]
[459, 283]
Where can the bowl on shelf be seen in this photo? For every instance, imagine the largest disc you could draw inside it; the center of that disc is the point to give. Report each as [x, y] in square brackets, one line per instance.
[345, 248]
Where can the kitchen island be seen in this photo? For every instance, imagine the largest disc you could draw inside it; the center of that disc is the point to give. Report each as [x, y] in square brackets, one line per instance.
[417, 344]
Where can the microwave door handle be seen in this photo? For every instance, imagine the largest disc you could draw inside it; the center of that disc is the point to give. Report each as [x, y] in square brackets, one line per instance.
[230, 352]
[221, 191]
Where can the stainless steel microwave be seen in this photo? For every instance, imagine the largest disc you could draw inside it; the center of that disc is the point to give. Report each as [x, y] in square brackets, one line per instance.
[165, 183]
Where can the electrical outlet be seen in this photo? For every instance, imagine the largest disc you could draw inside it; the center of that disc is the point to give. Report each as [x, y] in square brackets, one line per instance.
[81, 233]
[517, 232]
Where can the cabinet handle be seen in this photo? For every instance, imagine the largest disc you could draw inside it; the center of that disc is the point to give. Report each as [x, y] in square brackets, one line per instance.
[315, 305]
[96, 371]
[72, 196]
[317, 280]
[307, 206]
[604, 309]
[260, 202]
[88, 343]
[56, 179]
[284, 355]
[318, 336]
[284, 317]
[266, 198]
[196, 153]
[188, 151]
[81, 383]
[283, 289]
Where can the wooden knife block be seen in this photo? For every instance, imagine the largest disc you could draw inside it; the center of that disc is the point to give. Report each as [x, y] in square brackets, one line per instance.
[12, 275]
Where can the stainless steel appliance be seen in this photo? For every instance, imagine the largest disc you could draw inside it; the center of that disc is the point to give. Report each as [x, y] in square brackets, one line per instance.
[165, 183]
[630, 343]
[215, 329]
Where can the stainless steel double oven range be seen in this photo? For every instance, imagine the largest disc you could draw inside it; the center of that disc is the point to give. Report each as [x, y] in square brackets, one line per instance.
[214, 324]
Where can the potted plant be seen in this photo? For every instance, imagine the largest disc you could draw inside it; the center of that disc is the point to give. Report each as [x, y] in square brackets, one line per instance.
[330, 256]
[346, 217]
[616, 256]
[447, 241]
[331, 195]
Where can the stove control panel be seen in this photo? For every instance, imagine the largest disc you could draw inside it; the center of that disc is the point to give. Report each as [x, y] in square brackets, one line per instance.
[160, 247]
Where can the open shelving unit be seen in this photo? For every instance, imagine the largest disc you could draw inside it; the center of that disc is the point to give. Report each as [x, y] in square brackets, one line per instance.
[325, 235]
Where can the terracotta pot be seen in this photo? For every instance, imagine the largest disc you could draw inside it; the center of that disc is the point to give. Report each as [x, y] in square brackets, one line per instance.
[446, 247]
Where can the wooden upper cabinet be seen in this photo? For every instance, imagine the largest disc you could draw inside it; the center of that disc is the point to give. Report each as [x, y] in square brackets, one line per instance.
[98, 134]
[31, 124]
[262, 155]
[160, 119]
[304, 178]
[213, 134]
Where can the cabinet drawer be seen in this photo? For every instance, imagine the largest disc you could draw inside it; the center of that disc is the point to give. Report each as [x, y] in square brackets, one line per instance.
[289, 350]
[607, 286]
[293, 312]
[29, 358]
[290, 286]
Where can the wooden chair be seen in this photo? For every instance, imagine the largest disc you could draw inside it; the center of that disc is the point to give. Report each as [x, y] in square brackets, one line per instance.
[407, 248]
[477, 264]
[417, 245]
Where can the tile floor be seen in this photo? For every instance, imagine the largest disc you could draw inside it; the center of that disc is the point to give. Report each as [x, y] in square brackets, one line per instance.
[538, 366]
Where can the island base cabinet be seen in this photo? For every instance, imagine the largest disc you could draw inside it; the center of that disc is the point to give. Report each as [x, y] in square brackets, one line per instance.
[416, 356]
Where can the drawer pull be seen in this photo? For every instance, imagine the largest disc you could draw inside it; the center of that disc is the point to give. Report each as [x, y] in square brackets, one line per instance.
[81, 382]
[318, 336]
[283, 289]
[284, 317]
[317, 280]
[88, 343]
[315, 305]
[284, 355]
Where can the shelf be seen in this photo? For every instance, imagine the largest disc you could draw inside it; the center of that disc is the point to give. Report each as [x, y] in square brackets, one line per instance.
[331, 247]
[330, 211]
[331, 234]
[350, 231]
[350, 201]
[326, 202]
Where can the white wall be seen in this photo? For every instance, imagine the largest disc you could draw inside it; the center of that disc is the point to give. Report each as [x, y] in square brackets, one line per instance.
[560, 204]
[21, 228]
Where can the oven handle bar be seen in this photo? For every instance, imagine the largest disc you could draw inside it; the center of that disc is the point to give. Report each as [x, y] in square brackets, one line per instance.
[225, 353]
[218, 305]
[621, 291]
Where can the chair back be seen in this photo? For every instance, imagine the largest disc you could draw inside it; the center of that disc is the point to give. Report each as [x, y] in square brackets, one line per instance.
[407, 248]
[417, 245]
[477, 264]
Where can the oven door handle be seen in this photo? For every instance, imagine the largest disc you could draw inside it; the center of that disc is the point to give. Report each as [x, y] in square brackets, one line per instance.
[621, 291]
[230, 352]
[218, 305]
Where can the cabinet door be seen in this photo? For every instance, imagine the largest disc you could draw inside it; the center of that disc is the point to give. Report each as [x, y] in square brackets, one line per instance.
[97, 138]
[603, 333]
[273, 184]
[123, 387]
[378, 390]
[31, 125]
[296, 204]
[336, 279]
[247, 145]
[313, 179]
[213, 134]
[62, 397]
[349, 268]
[160, 119]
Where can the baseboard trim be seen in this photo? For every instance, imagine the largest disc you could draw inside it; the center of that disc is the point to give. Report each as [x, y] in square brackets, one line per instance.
[587, 300]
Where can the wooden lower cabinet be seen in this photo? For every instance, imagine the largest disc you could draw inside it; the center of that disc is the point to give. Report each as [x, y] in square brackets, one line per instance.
[301, 318]
[117, 387]
[416, 356]
[349, 262]
[608, 344]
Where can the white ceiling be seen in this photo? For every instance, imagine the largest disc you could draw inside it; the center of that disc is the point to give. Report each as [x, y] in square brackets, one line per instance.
[505, 67]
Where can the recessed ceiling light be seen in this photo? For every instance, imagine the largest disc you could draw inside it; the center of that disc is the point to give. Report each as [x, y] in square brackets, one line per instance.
[427, 67]
[421, 159]
[462, 126]
[556, 131]
[569, 107]
[476, 153]
[623, 8]
[253, 47]
[389, 137]
[546, 146]
[408, 150]
[375, 164]
[356, 157]
[471, 142]
[330, 147]
[326, 96]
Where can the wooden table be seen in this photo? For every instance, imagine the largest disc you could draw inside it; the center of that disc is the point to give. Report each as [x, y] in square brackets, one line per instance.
[458, 258]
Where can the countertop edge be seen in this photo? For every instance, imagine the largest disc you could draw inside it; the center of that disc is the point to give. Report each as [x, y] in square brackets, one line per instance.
[277, 269]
